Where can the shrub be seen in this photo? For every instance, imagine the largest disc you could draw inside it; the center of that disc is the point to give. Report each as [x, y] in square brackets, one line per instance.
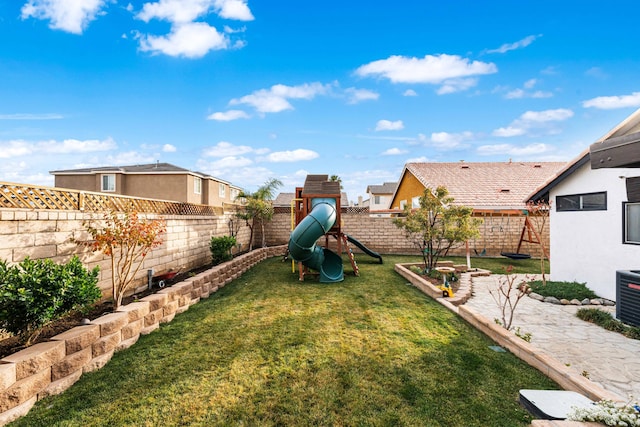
[606, 320]
[560, 290]
[37, 292]
[127, 240]
[221, 248]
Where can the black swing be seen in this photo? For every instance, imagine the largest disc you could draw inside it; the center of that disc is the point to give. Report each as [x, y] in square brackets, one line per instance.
[517, 255]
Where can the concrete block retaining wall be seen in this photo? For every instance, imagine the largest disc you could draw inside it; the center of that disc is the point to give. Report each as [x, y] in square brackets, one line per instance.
[51, 367]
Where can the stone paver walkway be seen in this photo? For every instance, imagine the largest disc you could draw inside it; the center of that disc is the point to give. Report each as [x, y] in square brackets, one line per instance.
[607, 358]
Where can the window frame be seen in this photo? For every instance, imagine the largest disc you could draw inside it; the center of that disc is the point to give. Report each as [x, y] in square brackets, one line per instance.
[625, 240]
[112, 177]
[222, 192]
[197, 185]
[581, 196]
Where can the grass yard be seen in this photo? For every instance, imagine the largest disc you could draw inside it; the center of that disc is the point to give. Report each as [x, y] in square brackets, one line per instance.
[267, 350]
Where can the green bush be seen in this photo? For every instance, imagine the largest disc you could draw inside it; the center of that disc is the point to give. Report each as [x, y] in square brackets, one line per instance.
[607, 321]
[560, 290]
[221, 248]
[37, 292]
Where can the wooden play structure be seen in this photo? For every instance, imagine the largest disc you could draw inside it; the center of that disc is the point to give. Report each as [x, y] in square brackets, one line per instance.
[315, 213]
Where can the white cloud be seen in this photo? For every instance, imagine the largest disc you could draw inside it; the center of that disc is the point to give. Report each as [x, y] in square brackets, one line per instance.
[27, 116]
[230, 162]
[421, 159]
[508, 132]
[613, 102]
[449, 141]
[185, 11]
[168, 148]
[69, 16]
[226, 149]
[433, 69]
[456, 85]
[513, 46]
[19, 148]
[127, 158]
[190, 40]
[596, 72]
[409, 92]
[534, 120]
[300, 154]
[394, 152]
[227, 116]
[233, 9]
[357, 95]
[512, 150]
[389, 125]
[526, 92]
[275, 99]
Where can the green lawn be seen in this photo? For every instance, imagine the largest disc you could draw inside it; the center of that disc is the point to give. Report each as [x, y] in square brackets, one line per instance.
[269, 350]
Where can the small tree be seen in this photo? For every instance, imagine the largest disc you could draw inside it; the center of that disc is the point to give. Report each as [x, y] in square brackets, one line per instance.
[127, 240]
[538, 213]
[258, 207]
[507, 294]
[437, 224]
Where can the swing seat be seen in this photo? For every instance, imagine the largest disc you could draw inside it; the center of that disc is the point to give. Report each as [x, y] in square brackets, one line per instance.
[513, 255]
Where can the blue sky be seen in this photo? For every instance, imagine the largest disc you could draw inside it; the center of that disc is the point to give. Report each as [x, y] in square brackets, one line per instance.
[247, 91]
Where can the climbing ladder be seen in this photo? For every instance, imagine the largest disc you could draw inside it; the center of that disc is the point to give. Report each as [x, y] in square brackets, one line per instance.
[352, 258]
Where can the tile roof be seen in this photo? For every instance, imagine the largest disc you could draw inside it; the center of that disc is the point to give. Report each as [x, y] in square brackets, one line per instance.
[486, 185]
[386, 188]
[284, 199]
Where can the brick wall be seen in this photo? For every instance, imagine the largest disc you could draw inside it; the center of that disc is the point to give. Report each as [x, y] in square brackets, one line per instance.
[52, 234]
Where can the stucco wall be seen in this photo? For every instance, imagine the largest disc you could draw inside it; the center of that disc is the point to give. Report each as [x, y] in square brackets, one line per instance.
[52, 234]
[587, 246]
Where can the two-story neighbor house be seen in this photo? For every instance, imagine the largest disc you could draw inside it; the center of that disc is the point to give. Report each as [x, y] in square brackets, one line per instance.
[162, 181]
[380, 196]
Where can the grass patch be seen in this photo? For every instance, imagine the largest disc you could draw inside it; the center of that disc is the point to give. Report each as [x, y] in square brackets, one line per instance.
[269, 350]
[560, 290]
[607, 321]
[499, 265]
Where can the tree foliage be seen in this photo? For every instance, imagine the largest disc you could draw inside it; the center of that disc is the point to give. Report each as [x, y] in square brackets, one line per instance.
[258, 207]
[127, 240]
[437, 225]
[34, 293]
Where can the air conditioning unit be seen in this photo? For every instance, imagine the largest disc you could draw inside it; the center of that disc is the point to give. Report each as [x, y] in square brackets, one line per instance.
[628, 296]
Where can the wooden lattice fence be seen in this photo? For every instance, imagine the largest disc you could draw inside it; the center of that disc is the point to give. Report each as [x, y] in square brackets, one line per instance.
[24, 196]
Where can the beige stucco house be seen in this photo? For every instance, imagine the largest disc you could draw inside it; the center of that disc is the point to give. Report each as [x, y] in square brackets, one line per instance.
[162, 181]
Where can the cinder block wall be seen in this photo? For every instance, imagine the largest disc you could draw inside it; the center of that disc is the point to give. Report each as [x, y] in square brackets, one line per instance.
[497, 234]
[53, 234]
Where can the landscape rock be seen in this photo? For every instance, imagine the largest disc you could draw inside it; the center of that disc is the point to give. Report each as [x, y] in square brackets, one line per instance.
[596, 302]
[536, 296]
[552, 300]
[575, 302]
[586, 301]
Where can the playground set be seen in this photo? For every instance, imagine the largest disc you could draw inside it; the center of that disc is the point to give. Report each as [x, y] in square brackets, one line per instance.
[315, 212]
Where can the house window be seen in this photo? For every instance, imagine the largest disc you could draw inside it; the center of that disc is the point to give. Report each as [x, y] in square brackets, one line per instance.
[108, 182]
[197, 185]
[631, 223]
[403, 204]
[415, 202]
[582, 202]
[221, 190]
[233, 193]
[376, 200]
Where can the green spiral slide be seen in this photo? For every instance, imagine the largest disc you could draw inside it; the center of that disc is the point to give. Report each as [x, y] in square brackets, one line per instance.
[302, 242]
